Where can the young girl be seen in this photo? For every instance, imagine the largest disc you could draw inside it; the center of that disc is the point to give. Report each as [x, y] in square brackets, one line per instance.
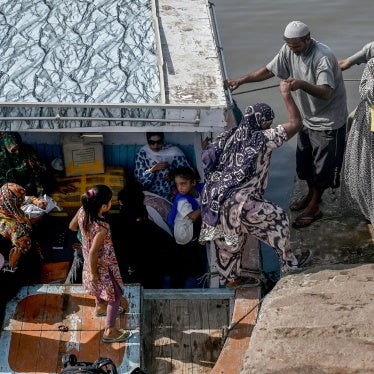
[185, 219]
[101, 274]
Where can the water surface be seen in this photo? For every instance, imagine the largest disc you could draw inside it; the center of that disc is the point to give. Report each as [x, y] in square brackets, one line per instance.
[251, 33]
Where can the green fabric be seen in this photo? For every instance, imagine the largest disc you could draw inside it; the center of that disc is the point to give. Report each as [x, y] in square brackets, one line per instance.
[23, 167]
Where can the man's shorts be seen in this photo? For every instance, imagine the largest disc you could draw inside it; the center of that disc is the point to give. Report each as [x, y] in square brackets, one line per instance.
[319, 156]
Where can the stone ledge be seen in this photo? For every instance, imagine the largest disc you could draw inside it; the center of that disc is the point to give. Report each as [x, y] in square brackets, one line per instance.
[320, 320]
[338, 237]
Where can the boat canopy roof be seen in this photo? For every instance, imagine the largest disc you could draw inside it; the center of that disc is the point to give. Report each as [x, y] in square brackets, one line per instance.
[111, 65]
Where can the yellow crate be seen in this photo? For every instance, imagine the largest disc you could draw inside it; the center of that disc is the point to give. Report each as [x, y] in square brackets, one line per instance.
[114, 177]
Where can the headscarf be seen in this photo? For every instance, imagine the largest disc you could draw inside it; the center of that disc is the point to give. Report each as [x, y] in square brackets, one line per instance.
[23, 167]
[14, 224]
[167, 153]
[230, 162]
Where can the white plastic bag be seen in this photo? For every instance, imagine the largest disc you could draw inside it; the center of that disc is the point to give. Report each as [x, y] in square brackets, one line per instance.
[33, 211]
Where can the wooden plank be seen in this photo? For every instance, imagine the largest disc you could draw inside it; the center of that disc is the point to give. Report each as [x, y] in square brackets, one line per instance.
[182, 345]
[157, 337]
[89, 349]
[52, 310]
[149, 310]
[217, 322]
[6, 340]
[72, 318]
[48, 358]
[231, 358]
[19, 362]
[17, 320]
[195, 293]
[33, 316]
[200, 334]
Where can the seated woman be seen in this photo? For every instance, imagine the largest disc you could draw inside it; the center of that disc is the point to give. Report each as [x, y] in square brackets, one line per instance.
[20, 164]
[152, 170]
[17, 242]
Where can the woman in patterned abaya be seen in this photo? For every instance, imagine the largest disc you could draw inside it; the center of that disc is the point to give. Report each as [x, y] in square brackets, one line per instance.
[16, 242]
[236, 168]
[357, 187]
[15, 226]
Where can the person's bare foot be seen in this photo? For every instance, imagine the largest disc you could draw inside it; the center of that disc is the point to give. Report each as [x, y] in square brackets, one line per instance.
[301, 204]
[100, 310]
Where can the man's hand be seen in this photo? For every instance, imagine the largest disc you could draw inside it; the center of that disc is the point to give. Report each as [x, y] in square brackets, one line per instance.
[233, 84]
[296, 84]
[320, 91]
[285, 87]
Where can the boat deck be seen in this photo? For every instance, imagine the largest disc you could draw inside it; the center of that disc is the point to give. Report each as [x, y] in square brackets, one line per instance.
[45, 322]
[174, 331]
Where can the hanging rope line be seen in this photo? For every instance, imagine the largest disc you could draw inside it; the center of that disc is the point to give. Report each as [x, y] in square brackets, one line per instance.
[277, 85]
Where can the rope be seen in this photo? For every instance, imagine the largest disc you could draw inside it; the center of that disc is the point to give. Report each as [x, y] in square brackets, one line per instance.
[232, 326]
[256, 89]
[205, 278]
[277, 85]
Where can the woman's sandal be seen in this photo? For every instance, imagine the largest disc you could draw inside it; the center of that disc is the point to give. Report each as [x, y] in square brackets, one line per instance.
[243, 282]
[103, 314]
[124, 335]
[302, 221]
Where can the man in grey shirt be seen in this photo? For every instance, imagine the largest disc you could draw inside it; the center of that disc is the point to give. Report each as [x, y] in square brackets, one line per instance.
[360, 57]
[318, 88]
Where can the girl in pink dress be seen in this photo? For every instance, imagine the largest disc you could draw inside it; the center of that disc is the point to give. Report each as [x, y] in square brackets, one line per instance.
[101, 275]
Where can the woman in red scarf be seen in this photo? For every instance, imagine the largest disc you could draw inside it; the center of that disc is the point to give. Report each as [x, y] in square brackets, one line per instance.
[15, 226]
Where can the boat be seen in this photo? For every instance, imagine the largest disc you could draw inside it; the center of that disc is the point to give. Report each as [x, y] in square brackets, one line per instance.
[99, 75]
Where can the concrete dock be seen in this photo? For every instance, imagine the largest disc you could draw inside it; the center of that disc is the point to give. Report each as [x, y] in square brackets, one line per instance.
[321, 320]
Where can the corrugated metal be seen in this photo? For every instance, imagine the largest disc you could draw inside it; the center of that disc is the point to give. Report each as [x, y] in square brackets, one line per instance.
[109, 64]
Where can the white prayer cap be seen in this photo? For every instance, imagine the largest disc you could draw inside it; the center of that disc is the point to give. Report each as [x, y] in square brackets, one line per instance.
[296, 29]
